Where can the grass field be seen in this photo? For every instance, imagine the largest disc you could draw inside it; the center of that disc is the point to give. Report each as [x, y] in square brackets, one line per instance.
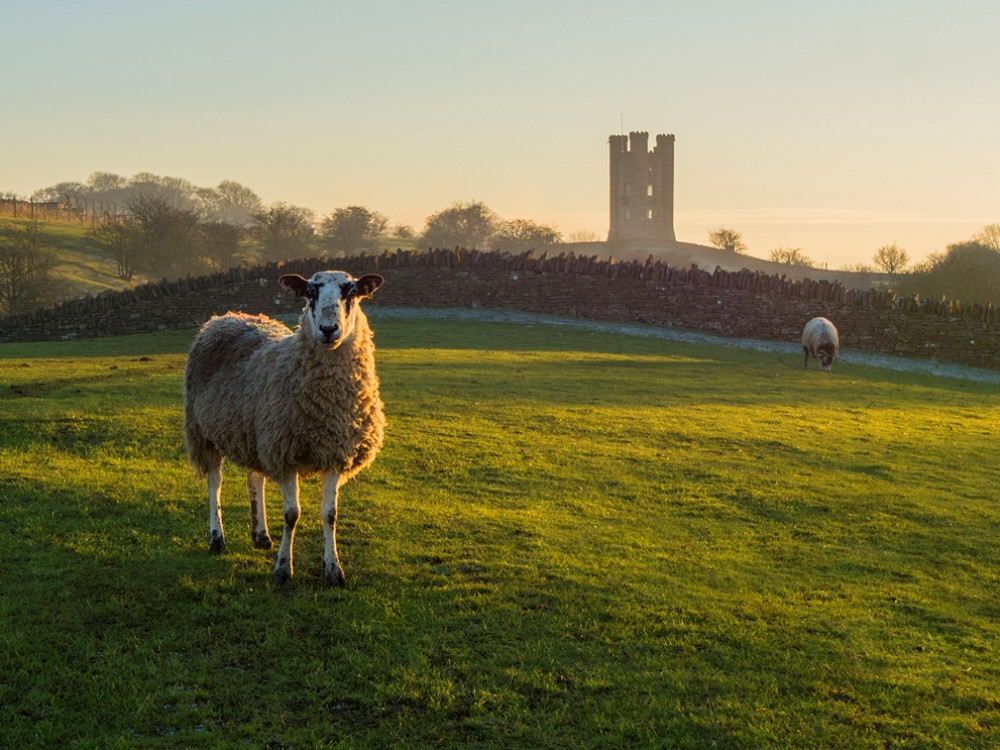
[570, 540]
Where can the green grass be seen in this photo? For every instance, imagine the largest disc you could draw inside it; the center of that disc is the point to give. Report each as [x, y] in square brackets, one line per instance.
[569, 540]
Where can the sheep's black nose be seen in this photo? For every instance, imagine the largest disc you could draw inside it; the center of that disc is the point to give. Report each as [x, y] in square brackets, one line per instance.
[329, 332]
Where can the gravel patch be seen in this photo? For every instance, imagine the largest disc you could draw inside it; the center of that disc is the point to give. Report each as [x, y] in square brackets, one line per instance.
[851, 356]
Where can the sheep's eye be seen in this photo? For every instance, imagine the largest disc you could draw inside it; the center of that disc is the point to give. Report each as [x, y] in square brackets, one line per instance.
[312, 291]
[348, 290]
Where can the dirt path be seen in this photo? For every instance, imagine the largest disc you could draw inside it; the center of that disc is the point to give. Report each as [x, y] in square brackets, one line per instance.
[852, 356]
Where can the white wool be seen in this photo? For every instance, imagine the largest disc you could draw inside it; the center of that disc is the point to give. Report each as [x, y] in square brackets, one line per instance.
[820, 340]
[283, 405]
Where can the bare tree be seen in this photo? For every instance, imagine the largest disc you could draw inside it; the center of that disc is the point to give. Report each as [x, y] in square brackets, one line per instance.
[583, 235]
[467, 225]
[989, 236]
[74, 193]
[727, 239]
[891, 260]
[167, 240]
[156, 239]
[230, 202]
[353, 228]
[174, 192]
[118, 239]
[26, 264]
[790, 256]
[106, 182]
[523, 234]
[110, 193]
[221, 243]
[283, 231]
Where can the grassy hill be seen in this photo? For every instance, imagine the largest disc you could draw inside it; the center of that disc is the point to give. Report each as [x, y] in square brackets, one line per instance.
[570, 540]
[81, 268]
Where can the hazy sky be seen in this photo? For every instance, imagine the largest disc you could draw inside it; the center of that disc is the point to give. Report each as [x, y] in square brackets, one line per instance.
[833, 127]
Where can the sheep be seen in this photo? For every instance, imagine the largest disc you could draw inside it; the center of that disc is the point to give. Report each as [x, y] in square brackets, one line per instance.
[820, 339]
[283, 404]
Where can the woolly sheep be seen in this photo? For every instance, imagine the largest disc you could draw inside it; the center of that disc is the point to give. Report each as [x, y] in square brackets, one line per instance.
[281, 404]
[820, 339]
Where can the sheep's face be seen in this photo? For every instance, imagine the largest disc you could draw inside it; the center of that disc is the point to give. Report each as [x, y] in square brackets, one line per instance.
[825, 354]
[332, 299]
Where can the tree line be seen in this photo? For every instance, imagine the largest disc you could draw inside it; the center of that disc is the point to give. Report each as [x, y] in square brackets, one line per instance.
[968, 270]
[205, 222]
[166, 227]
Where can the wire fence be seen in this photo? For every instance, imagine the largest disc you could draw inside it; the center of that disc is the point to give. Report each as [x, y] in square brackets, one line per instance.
[82, 211]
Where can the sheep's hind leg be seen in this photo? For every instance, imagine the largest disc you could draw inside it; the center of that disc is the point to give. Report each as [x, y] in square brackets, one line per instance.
[258, 513]
[331, 562]
[290, 495]
[216, 534]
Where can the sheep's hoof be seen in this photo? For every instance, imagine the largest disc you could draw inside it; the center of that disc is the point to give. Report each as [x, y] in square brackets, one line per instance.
[216, 543]
[282, 573]
[262, 541]
[335, 575]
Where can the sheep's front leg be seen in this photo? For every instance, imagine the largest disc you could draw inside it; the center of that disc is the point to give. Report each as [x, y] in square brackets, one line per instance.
[216, 534]
[290, 495]
[258, 513]
[331, 562]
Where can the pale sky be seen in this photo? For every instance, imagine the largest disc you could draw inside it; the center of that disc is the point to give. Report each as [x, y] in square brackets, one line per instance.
[832, 127]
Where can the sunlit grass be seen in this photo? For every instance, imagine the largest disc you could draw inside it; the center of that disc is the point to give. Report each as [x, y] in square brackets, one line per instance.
[81, 268]
[570, 540]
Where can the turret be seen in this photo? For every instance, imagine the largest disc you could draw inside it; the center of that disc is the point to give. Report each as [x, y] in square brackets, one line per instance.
[642, 189]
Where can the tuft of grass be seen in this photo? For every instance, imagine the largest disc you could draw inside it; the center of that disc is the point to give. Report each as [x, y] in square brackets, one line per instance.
[569, 540]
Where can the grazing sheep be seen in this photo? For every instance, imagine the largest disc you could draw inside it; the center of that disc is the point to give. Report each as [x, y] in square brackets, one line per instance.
[282, 404]
[820, 339]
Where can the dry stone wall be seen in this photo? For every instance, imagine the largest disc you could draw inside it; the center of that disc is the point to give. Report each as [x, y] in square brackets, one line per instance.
[734, 304]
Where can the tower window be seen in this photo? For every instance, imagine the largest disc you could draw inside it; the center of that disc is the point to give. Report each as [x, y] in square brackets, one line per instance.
[649, 191]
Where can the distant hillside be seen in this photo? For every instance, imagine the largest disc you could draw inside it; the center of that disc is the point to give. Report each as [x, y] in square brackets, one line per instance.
[81, 268]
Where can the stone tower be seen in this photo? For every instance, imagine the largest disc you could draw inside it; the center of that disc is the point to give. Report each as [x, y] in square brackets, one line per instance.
[642, 189]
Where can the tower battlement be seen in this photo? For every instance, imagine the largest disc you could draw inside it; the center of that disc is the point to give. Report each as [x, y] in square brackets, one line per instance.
[642, 189]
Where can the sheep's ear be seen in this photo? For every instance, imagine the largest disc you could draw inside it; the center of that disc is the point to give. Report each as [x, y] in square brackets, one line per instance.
[294, 283]
[368, 283]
